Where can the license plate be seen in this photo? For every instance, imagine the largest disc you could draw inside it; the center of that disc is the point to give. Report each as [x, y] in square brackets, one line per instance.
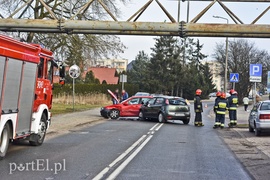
[179, 114]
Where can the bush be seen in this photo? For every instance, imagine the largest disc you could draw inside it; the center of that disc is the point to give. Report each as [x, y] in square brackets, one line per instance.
[86, 89]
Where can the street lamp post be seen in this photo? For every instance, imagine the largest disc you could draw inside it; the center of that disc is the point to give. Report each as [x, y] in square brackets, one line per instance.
[226, 58]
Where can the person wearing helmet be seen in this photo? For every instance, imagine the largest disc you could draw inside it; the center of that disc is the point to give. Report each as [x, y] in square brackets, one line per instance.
[233, 103]
[221, 105]
[218, 94]
[198, 108]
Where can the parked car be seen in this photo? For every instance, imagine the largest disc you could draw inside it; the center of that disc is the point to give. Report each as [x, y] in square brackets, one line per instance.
[213, 94]
[166, 108]
[128, 108]
[142, 94]
[259, 117]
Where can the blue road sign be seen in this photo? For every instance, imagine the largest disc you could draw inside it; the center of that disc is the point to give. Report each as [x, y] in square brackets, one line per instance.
[234, 77]
[255, 70]
[255, 73]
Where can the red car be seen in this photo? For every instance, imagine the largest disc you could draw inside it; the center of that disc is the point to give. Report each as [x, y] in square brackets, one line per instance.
[128, 108]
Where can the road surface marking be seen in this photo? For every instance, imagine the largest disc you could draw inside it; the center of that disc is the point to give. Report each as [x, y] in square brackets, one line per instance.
[119, 158]
[154, 127]
[127, 161]
[159, 126]
[142, 141]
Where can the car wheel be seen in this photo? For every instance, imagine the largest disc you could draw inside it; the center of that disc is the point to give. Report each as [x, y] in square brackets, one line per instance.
[114, 114]
[257, 132]
[186, 121]
[141, 116]
[250, 129]
[161, 118]
[4, 141]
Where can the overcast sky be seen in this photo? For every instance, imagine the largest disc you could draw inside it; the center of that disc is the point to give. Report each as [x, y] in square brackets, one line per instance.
[247, 12]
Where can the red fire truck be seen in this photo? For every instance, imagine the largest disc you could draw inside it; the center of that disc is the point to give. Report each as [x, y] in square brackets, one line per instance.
[26, 76]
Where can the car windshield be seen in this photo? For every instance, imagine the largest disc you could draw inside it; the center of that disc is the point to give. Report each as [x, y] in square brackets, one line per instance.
[265, 106]
[177, 102]
[141, 94]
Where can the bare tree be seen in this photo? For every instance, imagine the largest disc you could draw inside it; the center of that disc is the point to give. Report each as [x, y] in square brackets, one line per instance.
[241, 54]
[71, 47]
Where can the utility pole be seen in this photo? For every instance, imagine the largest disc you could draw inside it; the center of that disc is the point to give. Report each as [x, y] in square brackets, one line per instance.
[226, 58]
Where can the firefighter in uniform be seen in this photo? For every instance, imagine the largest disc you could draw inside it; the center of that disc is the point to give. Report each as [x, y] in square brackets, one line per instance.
[233, 103]
[221, 105]
[218, 94]
[198, 108]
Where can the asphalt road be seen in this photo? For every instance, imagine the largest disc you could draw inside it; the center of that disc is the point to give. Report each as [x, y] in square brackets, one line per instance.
[124, 149]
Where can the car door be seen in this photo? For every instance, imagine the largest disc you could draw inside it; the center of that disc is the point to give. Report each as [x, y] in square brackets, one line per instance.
[131, 107]
[146, 108]
[135, 106]
[156, 107]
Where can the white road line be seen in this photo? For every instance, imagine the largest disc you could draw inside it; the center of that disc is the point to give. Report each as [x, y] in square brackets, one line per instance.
[127, 161]
[154, 127]
[119, 158]
[159, 127]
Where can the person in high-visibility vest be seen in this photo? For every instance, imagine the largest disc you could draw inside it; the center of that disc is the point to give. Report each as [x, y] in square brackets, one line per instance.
[218, 94]
[221, 106]
[198, 108]
[233, 103]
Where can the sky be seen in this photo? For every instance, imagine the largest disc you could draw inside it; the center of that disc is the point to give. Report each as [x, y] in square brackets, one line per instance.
[247, 12]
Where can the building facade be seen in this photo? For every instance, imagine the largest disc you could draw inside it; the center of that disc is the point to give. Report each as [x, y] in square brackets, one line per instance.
[216, 69]
[119, 64]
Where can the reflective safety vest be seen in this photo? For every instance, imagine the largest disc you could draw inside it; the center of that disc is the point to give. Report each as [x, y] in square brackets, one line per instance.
[221, 106]
[198, 104]
[216, 100]
[233, 102]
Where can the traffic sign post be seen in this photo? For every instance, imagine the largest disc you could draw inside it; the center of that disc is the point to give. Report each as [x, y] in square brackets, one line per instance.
[234, 78]
[123, 79]
[255, 75]
[74, 72]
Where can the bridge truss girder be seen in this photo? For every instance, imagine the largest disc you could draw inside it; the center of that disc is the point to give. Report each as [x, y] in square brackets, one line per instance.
[60, 24]
[135, 28]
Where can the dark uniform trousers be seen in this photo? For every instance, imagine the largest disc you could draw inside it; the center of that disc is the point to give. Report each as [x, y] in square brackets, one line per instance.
[221, 106]
[198, 110]
[233, 103]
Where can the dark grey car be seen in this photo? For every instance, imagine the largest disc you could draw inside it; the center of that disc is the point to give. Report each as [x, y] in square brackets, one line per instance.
[166, 108]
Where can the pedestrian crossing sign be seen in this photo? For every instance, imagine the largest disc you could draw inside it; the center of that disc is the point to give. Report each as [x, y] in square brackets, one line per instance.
[234, 77]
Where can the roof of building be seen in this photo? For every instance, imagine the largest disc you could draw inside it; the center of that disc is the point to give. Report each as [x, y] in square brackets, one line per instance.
[101, 73]
[107, 74]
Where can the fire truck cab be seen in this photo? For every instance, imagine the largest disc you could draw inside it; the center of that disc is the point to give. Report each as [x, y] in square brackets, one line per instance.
[26, 83]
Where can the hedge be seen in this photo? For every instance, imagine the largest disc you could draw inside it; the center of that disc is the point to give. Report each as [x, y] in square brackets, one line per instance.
[83, 89]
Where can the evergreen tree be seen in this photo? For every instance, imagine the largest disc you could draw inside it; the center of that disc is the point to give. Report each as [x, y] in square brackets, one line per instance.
[90, 78]
[139, 73]
[208, 85]
[163, 65]
[171, 68]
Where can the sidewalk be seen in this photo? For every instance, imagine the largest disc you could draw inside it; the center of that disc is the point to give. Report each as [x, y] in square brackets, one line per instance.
[64, 123]
[242, 116]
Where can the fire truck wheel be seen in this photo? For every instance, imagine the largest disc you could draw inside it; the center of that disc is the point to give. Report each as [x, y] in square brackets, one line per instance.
[4, 141]
[38, 139]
